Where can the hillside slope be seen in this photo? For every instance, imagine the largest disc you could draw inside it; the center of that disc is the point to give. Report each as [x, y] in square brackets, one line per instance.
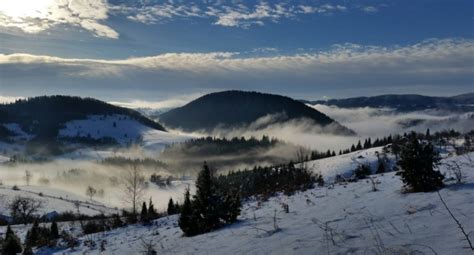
[236, 109]
[44, 117]
[341, 219]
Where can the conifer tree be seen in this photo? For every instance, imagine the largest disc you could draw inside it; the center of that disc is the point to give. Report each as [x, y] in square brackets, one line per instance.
[54, 230]
[206, 199]
[188, 219]
[417, 162]
[144, 214]
[33, 235]
[151, 210]
[171, 208]
[11, 244]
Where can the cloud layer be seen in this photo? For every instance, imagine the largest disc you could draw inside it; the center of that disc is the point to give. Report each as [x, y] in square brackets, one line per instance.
[438, 63]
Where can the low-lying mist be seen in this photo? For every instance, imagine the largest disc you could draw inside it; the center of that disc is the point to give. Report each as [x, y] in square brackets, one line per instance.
[77, 170]
[75, 176]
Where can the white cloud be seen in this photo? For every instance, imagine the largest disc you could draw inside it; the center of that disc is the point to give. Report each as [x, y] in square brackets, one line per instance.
[433, 62]
[39, 15]
[370, 9]
[235, 14]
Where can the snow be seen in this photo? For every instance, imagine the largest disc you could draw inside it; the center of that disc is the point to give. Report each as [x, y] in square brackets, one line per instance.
[336, 219]
[345, 164]
[54, 200]
[120, 127]
[123, 129]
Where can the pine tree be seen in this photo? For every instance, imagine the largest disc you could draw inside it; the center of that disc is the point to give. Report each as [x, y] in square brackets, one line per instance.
[206, 199]
[188, 219]
[54, 230]
[171, 208]
[144, 214]
[152, 214]
[33, 235]
[11, 244]
[353, 148]
[417, 162]
[359, 146]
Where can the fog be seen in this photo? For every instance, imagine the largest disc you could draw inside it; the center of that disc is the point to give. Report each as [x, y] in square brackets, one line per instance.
[75, 176]
[366, 122]
[83, 169]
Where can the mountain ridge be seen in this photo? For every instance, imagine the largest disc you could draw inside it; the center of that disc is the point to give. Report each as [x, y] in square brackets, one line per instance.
[404, 102]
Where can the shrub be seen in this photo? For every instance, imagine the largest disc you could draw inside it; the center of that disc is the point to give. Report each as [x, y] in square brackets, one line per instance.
[362, 171]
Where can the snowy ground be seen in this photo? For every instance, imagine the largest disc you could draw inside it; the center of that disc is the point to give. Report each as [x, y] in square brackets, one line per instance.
[346, 164]
[341, 219]
[123, 129]
[54, 200]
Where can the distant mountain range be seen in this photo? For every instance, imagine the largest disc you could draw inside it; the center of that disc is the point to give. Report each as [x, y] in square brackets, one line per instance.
[240, 109]
[405, 103]
[44, 117]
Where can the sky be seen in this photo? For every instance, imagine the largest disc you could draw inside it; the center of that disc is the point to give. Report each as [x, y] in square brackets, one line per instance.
[142, 52]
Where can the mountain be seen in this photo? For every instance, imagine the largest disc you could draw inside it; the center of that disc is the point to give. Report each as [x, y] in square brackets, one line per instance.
[406, 103]
[235, 109]
[49, 117]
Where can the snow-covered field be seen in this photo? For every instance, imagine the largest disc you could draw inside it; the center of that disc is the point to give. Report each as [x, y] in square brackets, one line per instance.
[53, 200]
[346, 164]
[346, 218]
[123, 129]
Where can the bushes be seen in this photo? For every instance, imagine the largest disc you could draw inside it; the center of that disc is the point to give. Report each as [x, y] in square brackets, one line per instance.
[362, 171]
[210, 208]
[39, 236]
[417, 162]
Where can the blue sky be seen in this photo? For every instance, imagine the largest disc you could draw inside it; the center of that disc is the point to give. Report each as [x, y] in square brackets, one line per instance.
[155, 50]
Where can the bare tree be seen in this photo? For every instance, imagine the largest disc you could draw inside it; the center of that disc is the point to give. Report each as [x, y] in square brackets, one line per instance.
[133, 186]
[27, 177]
[302, 156]
[90, 192]
[23, 209]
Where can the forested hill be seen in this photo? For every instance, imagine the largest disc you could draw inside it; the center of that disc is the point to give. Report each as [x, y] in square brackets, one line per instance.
[231, 109]
[44, 116]
[460, 103]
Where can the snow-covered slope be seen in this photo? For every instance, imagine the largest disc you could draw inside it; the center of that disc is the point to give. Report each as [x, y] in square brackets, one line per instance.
[340, 219]
[121, 128]
[54, 200]
[346, 164]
